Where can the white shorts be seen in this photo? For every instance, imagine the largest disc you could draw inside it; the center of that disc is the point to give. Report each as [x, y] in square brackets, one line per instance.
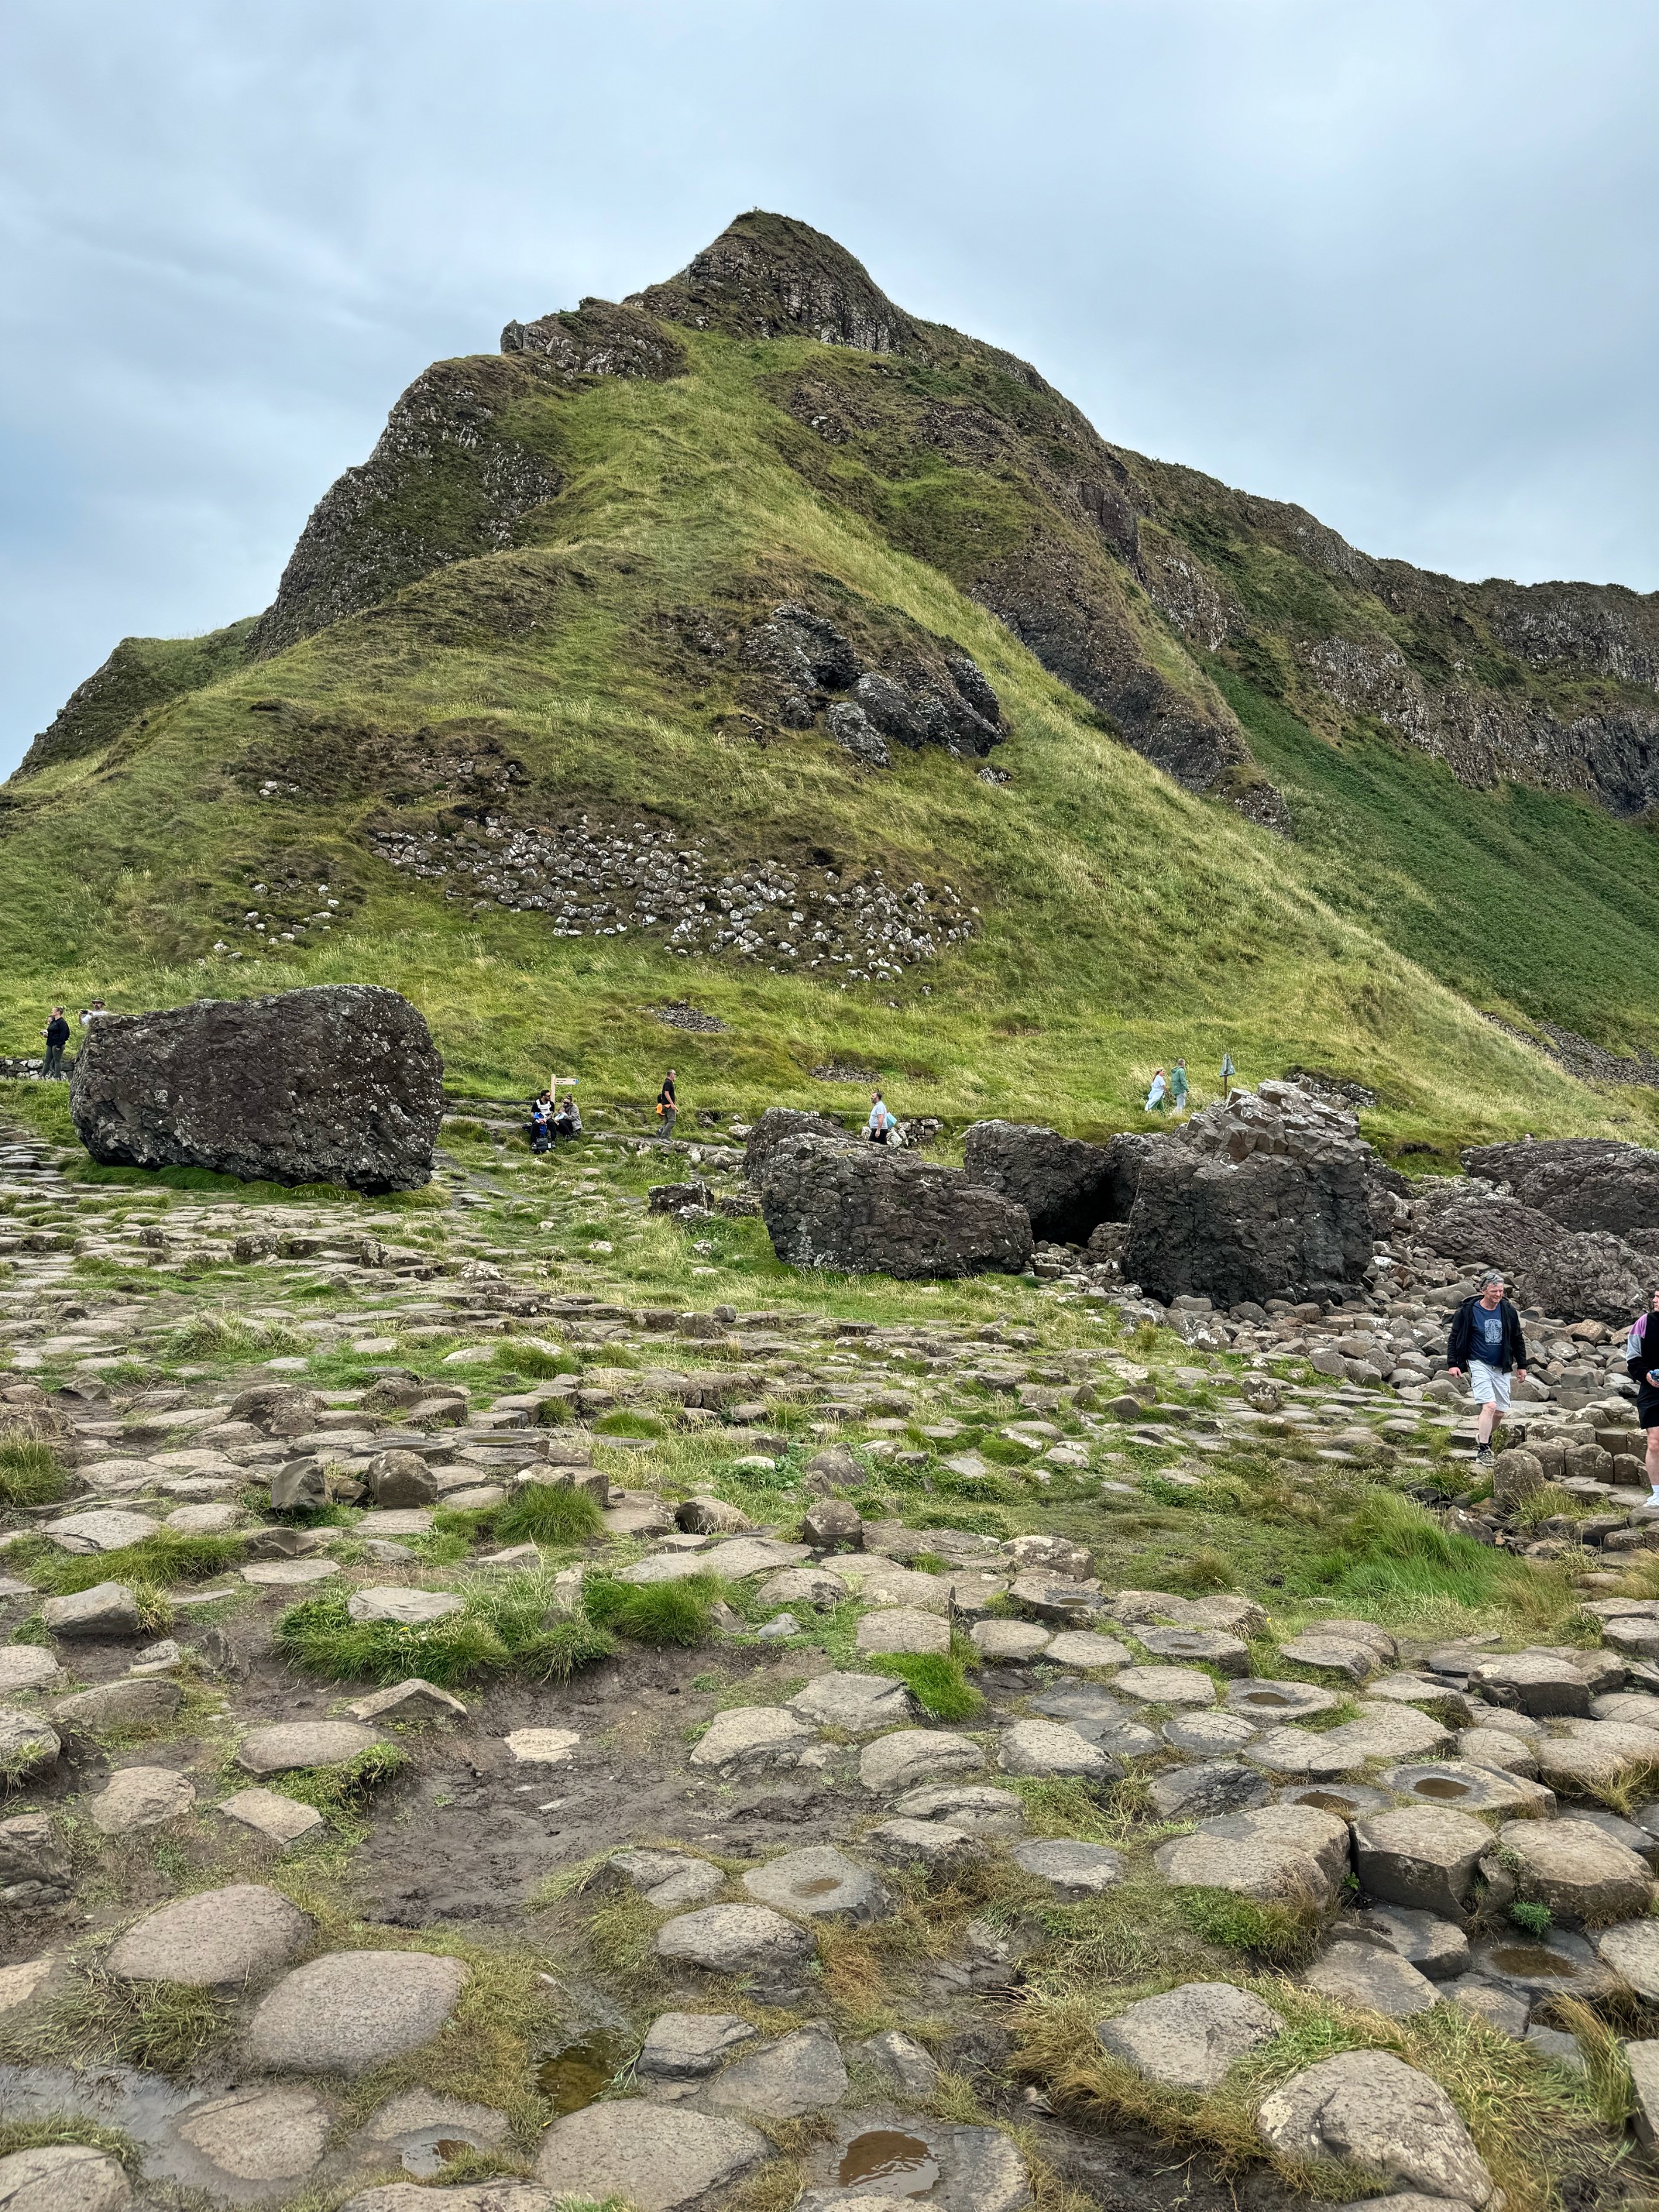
[1489, 1386]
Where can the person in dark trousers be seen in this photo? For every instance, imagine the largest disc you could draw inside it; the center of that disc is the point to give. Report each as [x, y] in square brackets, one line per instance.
[57, 1034]
[668, 1104]
[541, 1123]
[1485, 1338]
[1642, 1364]
[567, 1122]
[879, 1126]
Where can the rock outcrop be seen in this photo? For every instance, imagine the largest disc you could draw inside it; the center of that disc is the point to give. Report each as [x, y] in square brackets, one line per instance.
[1263, 1196]
[1585, 1273]
[446, 482]
[1583, 1183]
[1069, 1188]
[868, 1209]
[338, 1083]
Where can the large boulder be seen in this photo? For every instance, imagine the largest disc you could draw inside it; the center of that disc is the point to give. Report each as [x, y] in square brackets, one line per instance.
[1564, 1270]
[868, 1210]
[1068, 1187]
[1267, 1227]
[339, 1084]
[1583, 1183]
[776, 1126]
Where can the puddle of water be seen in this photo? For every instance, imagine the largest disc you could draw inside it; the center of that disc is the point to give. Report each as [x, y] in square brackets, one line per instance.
[1534, 1960]
[1327, 1801]
[885, 2154]
[1441, 1785]
[1270, 1699]
[820, 1886]
[574, 2076]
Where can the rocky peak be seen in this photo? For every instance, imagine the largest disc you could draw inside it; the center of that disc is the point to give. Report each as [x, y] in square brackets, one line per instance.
[598, 338]
[770, 276]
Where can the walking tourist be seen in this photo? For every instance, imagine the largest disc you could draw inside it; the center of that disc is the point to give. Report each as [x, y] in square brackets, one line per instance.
[879, 1126]
[1485, 1338]
[1178, 1086]
[668, 1104]
[1158, 1097]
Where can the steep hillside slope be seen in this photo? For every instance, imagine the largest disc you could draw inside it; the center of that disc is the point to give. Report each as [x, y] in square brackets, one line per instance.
[752, 644]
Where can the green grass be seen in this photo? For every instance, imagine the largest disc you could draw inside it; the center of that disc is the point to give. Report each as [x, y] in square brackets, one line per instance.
[1529, 902]
[655, 1612]
[936, 1682]
[541, 1513]
[161, 2026]
[31, 1472]
[506, 1624]
[156, 1561]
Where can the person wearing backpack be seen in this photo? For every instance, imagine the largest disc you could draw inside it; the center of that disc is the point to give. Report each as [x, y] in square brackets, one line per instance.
[541, 1119]
[880, 1125]
[668, 1105]
[1485, 1338]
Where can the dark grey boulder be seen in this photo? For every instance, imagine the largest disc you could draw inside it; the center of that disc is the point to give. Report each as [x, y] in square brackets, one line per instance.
[1564, 1270]
[1066, 1186]
[1263, 1227]
[776, 1126]
[338, 1083]
[868, 1209]
[1583, 1183]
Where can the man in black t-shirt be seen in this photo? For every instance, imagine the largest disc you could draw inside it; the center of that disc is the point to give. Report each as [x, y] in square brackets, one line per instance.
[668, 1105]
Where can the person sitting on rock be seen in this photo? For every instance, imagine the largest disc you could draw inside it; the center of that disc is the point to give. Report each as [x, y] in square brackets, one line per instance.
[1485, 1338]
[541, 1117]
[567, 1122]
[1642, 1364]
[1158, 1097]
[880, 1125]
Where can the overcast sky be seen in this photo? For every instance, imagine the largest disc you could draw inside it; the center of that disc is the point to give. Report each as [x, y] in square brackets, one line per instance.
[1394, 261]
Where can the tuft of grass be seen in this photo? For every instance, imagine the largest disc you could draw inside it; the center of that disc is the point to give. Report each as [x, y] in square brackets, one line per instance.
[31, 1472]
[541, 1513]
[161, 2026]
[1280, 1935]
[1537, 1919]
[160, 1559]
[217, 1334]
[506, 1623]
[655, 1612]
[645, 1426]
[68, 2127]
[340, 1790]
[936, 1682]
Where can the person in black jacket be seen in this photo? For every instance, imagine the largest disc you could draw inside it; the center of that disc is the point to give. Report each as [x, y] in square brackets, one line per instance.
[1485, 1338]
[57, 1034]
[1642, 1365]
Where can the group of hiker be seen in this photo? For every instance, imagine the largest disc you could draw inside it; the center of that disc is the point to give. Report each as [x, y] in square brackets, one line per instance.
[1486, 1340]
[1170, 1090]
[553, 1118]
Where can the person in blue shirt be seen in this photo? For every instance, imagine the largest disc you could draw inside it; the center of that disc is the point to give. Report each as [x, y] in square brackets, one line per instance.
[879, 1126]
[1485, 1338]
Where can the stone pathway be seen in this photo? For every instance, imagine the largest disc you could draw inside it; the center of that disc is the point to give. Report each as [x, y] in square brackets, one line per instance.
[919, 1731]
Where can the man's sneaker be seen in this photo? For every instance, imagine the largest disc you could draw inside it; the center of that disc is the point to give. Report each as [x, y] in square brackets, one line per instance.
[1483, 1454]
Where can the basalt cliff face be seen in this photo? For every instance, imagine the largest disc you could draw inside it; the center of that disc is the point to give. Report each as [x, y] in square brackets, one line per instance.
[1132, 580]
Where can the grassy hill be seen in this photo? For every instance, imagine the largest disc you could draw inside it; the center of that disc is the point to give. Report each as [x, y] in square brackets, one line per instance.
[540, 609]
